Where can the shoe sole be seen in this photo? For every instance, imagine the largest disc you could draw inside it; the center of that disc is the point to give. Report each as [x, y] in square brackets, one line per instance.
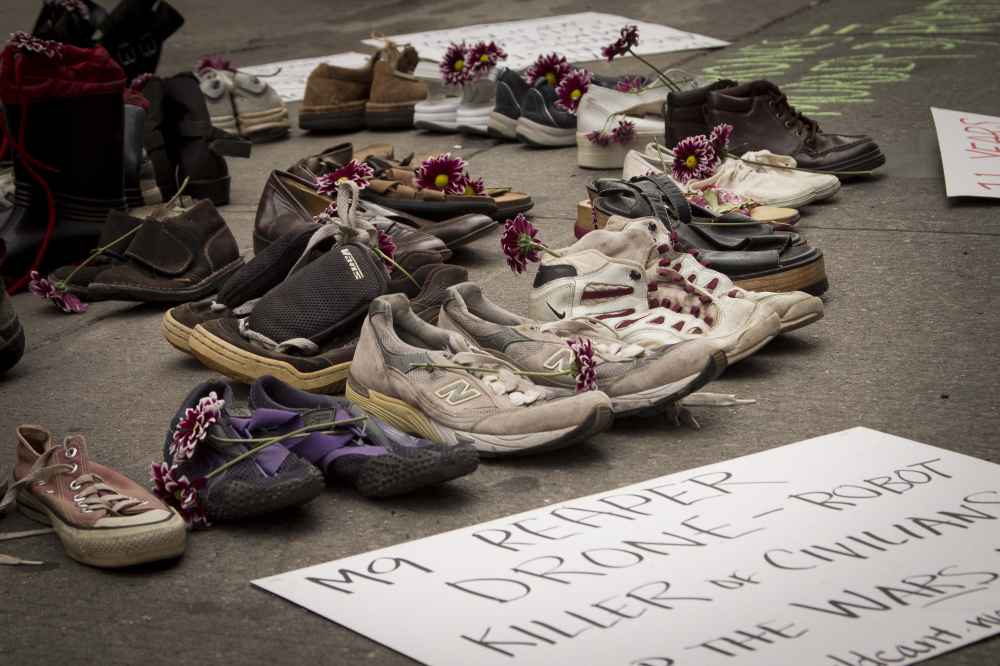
[543, 136]
[262, 126]
[337, 121]
[390, 119]
[466, 128]
[391, 475]
[590, 156]
[12, 350]
[118, 292]
[827, 192]
[810, 278]
[403, 416]
[864, 163]
[793, 321]
[242, 500]
[176, 333]
[113, 547]
[755, 338]
[216, 190]
[433, 124]
[512, 211]
[246, 367]
[501, 126]
[655, 401]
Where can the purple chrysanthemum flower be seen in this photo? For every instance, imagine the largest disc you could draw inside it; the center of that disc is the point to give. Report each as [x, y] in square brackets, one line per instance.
[720, 142]
[387, 247]
[553, 68]
[216, 62]
[195, 425]
[454, 66]
[624, 133]
[571, 89]
[179, 493]
[359, 172]
[77, 6]
[693, 158]
[593, 217]
[50, 292]
[599, 138]
[629, 38]
[472, 187]
[518, 241]
[584, 367]
[626, 86]
[482, 56]
[26, 44]
[140, 82]
[443, 173]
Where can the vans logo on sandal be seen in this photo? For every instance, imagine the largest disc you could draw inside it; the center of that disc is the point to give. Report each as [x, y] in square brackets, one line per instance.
[352, 262]
[457, 392]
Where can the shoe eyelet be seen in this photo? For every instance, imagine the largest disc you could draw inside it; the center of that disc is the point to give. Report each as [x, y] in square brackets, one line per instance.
[799, 133]
[39, 483]
[77, 498]
[51, 492]
[86, 511]
[73, 471]
[73, 485]
[71, 453]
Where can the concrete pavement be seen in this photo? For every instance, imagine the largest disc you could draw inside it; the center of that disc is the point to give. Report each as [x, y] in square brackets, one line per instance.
[911, 316]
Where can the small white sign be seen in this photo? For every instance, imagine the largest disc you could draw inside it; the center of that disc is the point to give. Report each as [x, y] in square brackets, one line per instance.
[290, 81]
[853, 549]
[970, 152]
[578, 37]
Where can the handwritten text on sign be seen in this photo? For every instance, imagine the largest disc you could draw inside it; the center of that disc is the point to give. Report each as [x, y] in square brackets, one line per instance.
[970, 152]
[857, 548]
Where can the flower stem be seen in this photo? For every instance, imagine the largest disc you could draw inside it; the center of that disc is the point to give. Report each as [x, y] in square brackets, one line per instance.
[658, 152]
[401, 269]
[274, 440]
[663, 77]
[522, 373]
[539, 246]
[825, 173]
[63, 285]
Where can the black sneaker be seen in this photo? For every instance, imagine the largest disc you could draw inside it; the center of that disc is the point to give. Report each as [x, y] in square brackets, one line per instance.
[11, 331]
[511, 89]
[380, 461]
[270, 480]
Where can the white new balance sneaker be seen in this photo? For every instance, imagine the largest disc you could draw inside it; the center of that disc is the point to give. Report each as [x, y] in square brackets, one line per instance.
[675, 267]
[478, 102]
[604, 278]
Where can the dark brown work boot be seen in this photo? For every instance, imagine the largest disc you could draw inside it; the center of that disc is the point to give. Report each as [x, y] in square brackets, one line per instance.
[178, 255]
[762, 119]
[684, 113]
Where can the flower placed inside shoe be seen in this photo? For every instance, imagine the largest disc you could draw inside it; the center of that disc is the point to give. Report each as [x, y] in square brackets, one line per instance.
[357, 172]
[180, 494]
[454, 69]
[693, 158]
[216, 62]
[624, 133]
[27, 45]
[194, 426]
[387, 248]
[443, 173]
[77, 6]
[141, 81]
[571, 89]
[719, 141]
[626, 86]
[472, 187]
[51, 292]
[553, 68]
[483, 56]
[584, 367]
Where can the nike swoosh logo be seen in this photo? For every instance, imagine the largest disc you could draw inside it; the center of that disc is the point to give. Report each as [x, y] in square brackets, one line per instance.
[556, 312]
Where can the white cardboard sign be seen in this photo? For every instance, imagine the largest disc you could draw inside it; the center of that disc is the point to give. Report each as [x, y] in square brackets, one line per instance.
[970, 152]
[290, 82]
[578, 37]
[856, 548]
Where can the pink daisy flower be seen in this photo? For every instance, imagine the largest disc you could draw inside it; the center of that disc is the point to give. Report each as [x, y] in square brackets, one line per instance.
[194, 426]
[571, 89]
[482, 56]
[626, 86]
[584, 367]
[624, 133]
[518, 237]
[50, 292]
[180, 494]
[693, 158]
[27, 44]
[443, 173]
[454, 66]
[553, 68]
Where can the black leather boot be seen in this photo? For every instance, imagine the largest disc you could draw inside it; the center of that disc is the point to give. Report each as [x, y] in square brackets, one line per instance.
[194, 147]
[75, 27]
[134, 32]
[87, 155]
[135, 121]
[154, 141]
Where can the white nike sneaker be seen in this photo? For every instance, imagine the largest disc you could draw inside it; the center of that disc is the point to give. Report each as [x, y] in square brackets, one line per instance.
[676, 267]
[478, 102]
[604, 278]
[767, 187]
[600, 104]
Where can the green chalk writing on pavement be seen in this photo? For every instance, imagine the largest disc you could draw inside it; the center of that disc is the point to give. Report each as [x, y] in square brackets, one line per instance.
[881, 57]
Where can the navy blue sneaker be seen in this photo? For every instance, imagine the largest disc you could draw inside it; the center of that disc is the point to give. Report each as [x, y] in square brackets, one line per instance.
[511, 89]
[545, 125]
[380, 460]
[270, 480]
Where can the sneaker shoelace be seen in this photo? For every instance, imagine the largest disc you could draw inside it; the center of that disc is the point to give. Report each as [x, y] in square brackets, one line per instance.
[503, 383]
[89, 499]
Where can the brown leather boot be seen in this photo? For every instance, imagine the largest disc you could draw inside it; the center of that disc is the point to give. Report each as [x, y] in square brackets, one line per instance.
[393, 96]
[762, 119]
[178, 255]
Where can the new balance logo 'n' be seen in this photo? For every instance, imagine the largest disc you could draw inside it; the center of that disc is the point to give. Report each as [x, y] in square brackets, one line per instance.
[457, 392]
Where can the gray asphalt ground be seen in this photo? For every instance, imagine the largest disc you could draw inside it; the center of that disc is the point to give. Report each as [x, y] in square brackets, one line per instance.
[909, 344]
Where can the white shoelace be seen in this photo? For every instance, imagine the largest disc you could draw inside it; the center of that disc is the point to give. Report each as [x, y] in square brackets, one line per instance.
[503, 383]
